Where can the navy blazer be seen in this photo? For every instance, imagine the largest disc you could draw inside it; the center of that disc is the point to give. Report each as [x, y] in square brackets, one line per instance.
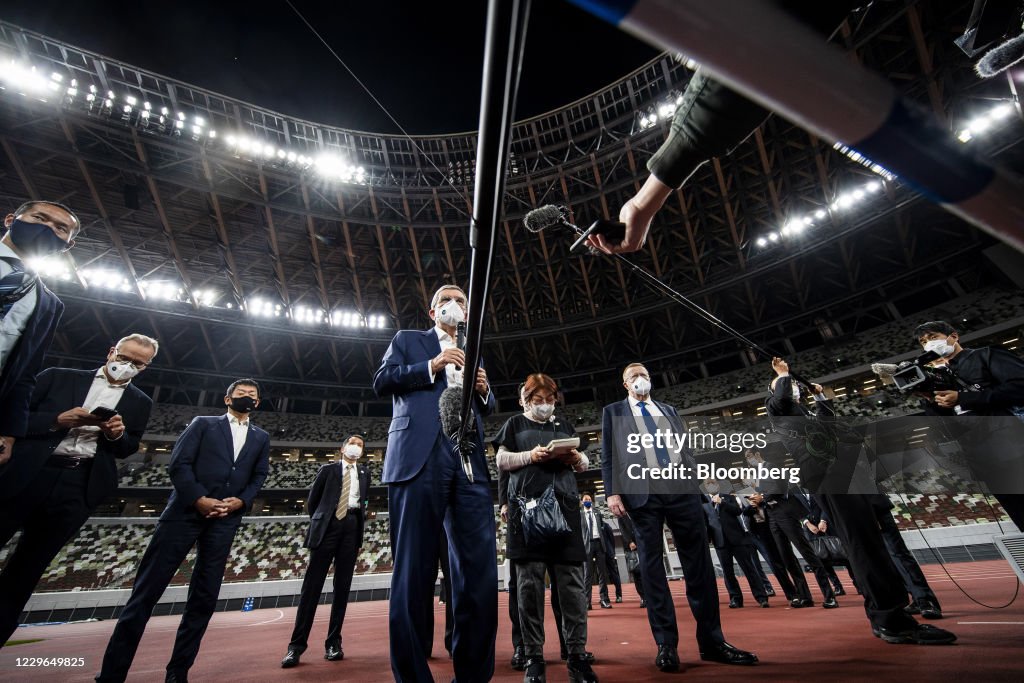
[724, 526]
[404, 374]
[203, 464]
[26, 360]
[58, 390]
[612, 444]
[323, 502]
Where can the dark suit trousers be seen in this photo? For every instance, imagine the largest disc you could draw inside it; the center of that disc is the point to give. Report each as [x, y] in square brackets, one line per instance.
[853, 520]
[339, 546]
[612, 569]
[685, 519]
[744, 554]
[597, 567]
[786, 527]
[442, 495]
[903, 559]
[167, 550]
[765, 543]
[513, 604]
[49, 512]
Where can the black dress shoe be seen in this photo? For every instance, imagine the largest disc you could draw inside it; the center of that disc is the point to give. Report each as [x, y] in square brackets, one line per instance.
[769, 591]
[763, 603]
[519, 659]
[830, 604]
[734, 603]
[605, 604]
[667, 659]
[643, 603]
[176, 676]
[588, 657]
[929, 610]
[580, 671]
[839, 590]
[618, 599]
[920, 634]
[727, 654]
[334, 653]
[912, 609]
[291, 659]
[796, 603]
[590, 606]
[534, 670]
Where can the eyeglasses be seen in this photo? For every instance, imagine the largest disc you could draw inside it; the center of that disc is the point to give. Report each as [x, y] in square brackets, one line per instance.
[538, 400]
[138, 364]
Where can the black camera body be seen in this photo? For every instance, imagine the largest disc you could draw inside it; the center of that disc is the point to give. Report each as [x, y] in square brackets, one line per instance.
[922, 378]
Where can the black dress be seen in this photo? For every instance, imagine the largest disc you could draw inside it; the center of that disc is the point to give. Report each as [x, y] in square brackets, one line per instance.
[519, 434]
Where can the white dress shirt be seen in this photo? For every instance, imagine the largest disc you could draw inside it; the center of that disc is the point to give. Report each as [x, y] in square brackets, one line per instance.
[239, 431]
[81, 441]
[353, 492]
[454, 376]
[592, 523]
[14, 323]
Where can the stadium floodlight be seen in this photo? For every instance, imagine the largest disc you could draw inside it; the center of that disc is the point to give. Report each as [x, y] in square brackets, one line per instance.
[773, 236]
[131, 100]
[874, 186]
[820, 213]
[200, 121]
[147, 106]
[762, 242]
[51, 267]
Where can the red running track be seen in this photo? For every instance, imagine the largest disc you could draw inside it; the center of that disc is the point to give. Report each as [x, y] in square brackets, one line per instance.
[813, 644]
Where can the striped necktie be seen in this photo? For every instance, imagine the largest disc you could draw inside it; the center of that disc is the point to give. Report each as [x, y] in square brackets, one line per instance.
[659, 450]
[346, 489]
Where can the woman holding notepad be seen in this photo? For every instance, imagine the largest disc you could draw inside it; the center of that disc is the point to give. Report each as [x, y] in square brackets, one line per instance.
[539, 450]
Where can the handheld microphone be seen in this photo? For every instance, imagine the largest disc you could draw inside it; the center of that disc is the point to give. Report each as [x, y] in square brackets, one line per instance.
[884, 370]
[545, 217]
[460, 339]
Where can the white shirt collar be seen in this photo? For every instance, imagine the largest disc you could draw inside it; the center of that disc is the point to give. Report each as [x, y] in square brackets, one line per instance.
[8, 253]
[442, 335]
[235, 421]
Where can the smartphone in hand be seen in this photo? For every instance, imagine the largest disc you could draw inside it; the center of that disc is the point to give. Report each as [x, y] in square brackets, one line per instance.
[103, 413]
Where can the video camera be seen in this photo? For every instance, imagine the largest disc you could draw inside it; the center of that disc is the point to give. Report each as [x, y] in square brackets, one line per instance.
[916, 375]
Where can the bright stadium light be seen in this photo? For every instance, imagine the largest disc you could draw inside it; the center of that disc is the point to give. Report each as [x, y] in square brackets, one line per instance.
[51, 268]
[105, 278]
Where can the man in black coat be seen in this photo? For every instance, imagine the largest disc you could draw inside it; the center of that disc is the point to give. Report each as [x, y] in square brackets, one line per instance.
[217, 467]
[629, 543]
[337, 511]
[732, 541]
[80, 422]
[29, 312]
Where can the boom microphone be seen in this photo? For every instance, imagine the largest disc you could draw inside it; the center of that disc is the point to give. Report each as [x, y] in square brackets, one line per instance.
[544, 217]
[449, 408]
[1001, 57]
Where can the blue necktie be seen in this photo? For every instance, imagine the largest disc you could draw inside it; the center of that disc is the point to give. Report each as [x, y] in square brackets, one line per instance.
[9, 284]
[659, 450]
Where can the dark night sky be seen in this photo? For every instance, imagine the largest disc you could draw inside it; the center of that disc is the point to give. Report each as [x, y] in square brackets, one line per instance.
[421, 59]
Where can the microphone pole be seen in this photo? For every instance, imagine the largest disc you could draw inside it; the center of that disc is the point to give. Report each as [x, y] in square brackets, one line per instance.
[503, 49]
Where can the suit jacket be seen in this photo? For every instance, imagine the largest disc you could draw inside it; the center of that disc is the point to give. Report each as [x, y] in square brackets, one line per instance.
[323, 502]
[404, 374]
[203, 464]
[608, 539]
[613, 450]
[19, 374]
[58, 390]
[724, 527]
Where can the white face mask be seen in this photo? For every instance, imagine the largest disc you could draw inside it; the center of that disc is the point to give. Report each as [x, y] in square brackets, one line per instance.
[939, 346]
[352, 451]
[542, 412]
[450, 314]
[641, 386]
[119, 371]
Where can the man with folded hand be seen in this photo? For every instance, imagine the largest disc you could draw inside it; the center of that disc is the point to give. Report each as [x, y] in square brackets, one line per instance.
[79, 423]
[218, 465]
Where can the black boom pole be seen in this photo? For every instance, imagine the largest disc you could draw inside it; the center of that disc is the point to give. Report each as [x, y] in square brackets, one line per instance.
[506, 35]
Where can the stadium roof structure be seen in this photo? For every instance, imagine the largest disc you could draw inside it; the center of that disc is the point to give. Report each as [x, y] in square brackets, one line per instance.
[251, 243]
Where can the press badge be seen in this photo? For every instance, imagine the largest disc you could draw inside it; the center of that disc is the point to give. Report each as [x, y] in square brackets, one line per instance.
[532, 503]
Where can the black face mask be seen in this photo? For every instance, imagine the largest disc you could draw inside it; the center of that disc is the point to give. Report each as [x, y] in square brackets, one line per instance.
[243, 404]
[36, 239]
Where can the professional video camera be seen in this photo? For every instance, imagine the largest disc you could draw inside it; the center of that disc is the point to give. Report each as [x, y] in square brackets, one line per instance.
[916, 375]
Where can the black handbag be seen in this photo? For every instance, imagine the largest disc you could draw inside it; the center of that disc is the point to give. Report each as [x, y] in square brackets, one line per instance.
[542, 519]
[632, 560]
[828, 548]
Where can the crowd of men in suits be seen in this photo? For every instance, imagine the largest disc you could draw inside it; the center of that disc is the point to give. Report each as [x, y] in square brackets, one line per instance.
[62, 430]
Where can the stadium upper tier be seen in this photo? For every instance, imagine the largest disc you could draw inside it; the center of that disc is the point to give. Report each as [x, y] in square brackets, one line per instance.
[218, 224]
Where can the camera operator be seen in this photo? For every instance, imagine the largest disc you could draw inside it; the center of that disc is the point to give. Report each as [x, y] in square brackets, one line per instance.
[991, 382]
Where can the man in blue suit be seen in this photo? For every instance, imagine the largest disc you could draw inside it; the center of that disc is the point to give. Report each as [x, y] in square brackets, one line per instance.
[29, 312]
[427, 488]
[218, 465]
[677, 505]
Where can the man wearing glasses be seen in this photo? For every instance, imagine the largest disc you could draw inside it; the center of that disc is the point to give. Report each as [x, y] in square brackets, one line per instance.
[79, 423]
